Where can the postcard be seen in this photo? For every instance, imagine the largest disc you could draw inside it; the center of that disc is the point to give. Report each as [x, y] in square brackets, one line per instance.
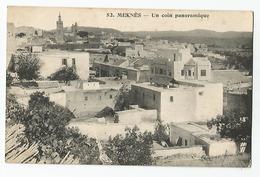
[147, 87]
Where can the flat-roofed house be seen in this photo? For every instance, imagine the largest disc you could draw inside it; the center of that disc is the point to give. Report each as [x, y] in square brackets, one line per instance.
[190, 134]
[51, 61]
[185, 101]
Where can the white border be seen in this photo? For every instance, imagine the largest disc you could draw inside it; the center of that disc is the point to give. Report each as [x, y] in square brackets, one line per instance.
[12, 170]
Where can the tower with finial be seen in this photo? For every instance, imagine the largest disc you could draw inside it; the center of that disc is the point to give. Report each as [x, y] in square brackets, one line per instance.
[59, 30]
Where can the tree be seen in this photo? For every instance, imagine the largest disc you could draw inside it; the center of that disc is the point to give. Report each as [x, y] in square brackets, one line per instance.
[28, 66]
[132, 149]
[122, 99]
[65, 74]
[82, 34]
[82, 147]
[234, 124]
[15, 113]
[18, 150]
[9, 79]
[160, 133]
[45, 123]
[20, 35]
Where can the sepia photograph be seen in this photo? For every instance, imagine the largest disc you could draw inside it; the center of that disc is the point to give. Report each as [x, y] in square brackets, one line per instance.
[125, 86]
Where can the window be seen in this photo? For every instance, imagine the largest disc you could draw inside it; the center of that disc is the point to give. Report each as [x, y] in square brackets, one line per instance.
[64, 62]
[179, 141]
[203, 72]
[171, 98]
[152, 70]
[161, 71]
[186, 142]
[73, 62]
[189, 72]
[110, 96]
[174, 57]
[170, 73]
[86, 98]
[143, 95]
[153, 97]
[100, 97]
[182, 72]
[193, 73]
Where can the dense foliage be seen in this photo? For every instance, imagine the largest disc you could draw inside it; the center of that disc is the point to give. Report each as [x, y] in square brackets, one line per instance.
[45, 123]
[65, 74]
[28, 66]
[132, 149]
[122, 99]
[15, 113]
[235, 125]
[239, 59]
[9, 79]
[160, 133]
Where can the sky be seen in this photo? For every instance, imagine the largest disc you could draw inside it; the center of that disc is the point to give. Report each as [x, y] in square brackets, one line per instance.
[46, 17]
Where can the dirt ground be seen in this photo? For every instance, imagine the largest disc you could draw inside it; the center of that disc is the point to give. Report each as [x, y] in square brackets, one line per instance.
[241, 160]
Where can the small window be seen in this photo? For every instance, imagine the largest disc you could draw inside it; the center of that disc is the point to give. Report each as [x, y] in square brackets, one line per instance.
[110, 96]
[182, 72]
[201, 93]
[73, 62]
[86, 98]
[100, 97]
[171, 98]
[143, 95]
[193, 73]
[170, 73]
[153, 97]
[189, 72]
[161, 71]
[203, 72]
[186, 142]
[64, 62]
[152, 70]
[164, 72]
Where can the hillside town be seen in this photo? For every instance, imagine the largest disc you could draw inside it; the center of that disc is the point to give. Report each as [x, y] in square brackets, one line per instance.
[110, 82]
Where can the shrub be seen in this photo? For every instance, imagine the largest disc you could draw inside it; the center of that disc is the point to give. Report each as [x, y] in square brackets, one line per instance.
[160, 133]
[65, 74]
[234, 124]
[122, 99]
[28, 66]
[9, 79]
[15, 113]
[132, 149]
[45, 123]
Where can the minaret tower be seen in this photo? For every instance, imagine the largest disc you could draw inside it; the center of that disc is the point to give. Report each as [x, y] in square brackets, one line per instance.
[59, 30]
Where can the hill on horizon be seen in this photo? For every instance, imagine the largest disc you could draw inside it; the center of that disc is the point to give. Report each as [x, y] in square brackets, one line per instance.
[229, 39]
[209, 37]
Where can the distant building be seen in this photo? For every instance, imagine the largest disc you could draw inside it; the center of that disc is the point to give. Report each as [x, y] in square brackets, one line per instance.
[200, 48]
[34, 48]
[185, 101]
[59, 31]
[38, 33]
[198, 68]
[179, 64]
[121, 68]
[74, 31]
[136, 52]
[11, 42]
